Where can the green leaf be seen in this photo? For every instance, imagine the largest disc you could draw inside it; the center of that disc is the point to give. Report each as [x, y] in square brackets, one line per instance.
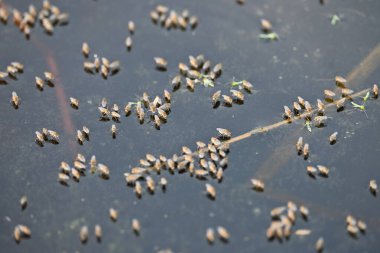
[236, 83]
[308, 125]
[366, 97]
[335, 19]
[208, 82]
[269, 36]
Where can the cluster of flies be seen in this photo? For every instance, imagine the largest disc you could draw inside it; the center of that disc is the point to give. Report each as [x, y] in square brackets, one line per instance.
[223, 234]
[170, 19]
[11, 72]
[199, 71]
[354, 226]
[107, 112]
[207, 162]
[83, 135]
[320, 119]
[103, 66]
[304, 109]
[20, 231]
[84, 233]
[79, 169]
[284, 219]
[304, 149]
[156, 110]
[236, 96]
[114, 215]
[128, 41]
[48, 80]
[46, 135]
[49, 16]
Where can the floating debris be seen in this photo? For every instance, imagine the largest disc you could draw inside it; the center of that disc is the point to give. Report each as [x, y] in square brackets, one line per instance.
[302, 232]
[269, 36]
[335, 19]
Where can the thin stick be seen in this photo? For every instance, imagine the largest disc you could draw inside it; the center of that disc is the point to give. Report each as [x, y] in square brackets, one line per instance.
[265, 129]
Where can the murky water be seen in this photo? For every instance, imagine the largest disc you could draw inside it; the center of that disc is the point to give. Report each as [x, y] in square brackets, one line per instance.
[303, 62]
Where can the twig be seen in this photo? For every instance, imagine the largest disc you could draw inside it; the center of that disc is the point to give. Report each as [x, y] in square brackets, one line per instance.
[265, 129]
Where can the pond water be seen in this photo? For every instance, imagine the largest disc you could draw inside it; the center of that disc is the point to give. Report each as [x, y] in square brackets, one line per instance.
[310, 52]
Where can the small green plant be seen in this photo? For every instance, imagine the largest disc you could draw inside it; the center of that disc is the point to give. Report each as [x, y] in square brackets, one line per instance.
[308, 125]
[269, 36]
[236, 83]
[362, 106]
[335, 19]
[206, 81]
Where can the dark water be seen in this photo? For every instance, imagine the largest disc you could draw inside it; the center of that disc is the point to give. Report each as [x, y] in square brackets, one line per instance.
[303, 62]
